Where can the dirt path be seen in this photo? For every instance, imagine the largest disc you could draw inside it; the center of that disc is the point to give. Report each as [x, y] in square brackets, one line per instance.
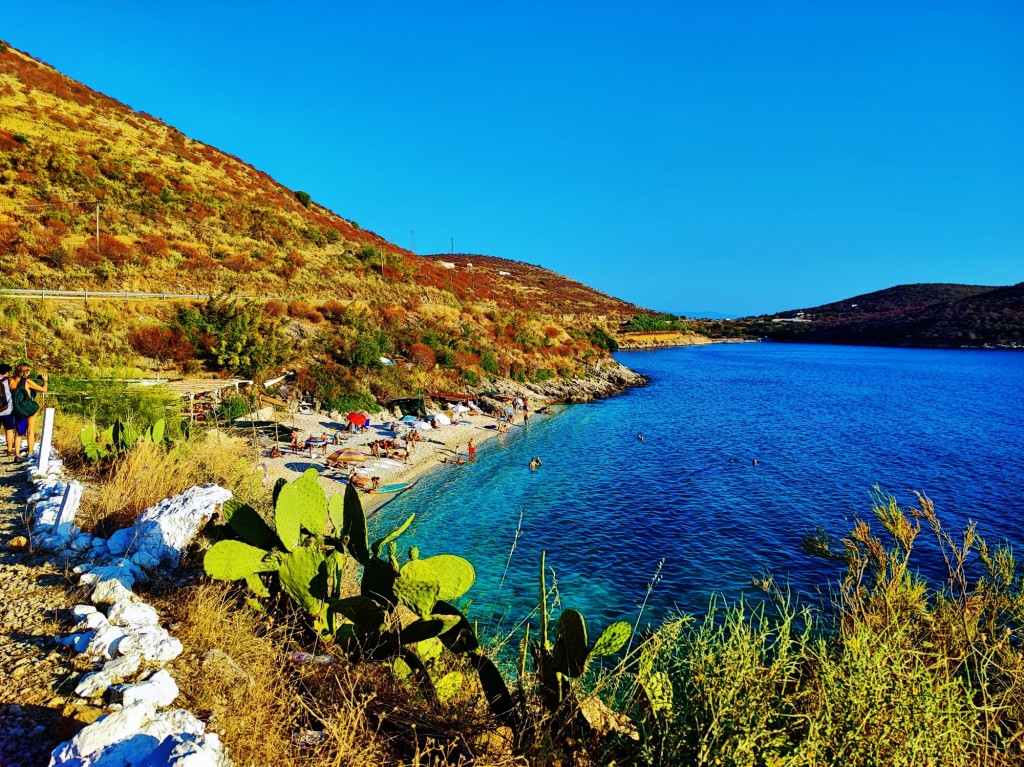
[36, 674]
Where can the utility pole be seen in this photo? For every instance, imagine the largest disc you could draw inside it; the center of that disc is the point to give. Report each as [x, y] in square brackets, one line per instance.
[453, 246]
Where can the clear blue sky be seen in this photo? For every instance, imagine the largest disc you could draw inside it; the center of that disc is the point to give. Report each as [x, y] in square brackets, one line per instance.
[737, 157]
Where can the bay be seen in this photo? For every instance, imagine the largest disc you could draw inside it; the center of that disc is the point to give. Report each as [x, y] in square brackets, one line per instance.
[824, 423]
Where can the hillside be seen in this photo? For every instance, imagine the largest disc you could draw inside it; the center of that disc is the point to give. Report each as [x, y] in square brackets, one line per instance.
[930, 314]
[96, 196]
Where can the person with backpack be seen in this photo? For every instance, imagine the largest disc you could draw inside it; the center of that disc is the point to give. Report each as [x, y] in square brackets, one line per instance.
[7, 419]
[25, 407]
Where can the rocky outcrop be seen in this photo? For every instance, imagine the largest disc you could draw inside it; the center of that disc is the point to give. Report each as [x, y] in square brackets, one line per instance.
[604, 379]
[660, 340]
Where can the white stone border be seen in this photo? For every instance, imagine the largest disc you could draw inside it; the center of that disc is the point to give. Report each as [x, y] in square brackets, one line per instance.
[127, 636]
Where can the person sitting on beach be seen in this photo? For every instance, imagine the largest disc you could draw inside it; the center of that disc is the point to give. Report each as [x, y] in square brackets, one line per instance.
[375, 448]
[374, 484]
[275, 452]
[357, 480]
[457, 460]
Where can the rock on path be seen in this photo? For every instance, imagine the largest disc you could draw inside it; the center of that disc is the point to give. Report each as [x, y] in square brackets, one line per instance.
[37, 674]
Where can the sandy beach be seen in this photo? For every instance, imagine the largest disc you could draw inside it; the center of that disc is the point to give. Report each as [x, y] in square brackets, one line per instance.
[438, 445]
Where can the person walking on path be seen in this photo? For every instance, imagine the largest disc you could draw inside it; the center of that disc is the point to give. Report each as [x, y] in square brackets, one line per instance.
[26, 427]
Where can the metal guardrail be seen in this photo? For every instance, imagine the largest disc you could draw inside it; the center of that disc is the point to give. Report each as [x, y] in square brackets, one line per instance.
[124, 295]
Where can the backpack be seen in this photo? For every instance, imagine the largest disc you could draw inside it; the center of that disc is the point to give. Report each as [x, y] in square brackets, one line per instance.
[24, 405]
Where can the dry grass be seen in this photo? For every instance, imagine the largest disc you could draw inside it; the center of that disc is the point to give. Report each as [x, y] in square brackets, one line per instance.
[254, 720]
[367, 719]
[151, 473]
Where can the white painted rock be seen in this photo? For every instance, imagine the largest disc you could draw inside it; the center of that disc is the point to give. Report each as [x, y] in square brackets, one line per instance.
[132, 614]
[139, 735]
[92, 621]
[80, 611]
[162, 532]
[113, 671]
[160, 689]
[111, 582]
[154, 643]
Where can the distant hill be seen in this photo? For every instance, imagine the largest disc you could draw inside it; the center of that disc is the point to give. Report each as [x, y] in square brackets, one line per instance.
[927, 314]
[96, 196]
[537, 288]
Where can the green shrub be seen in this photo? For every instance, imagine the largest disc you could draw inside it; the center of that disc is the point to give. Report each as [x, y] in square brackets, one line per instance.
[107, 400]
[489, 363]
[898, 673]
[304, 198]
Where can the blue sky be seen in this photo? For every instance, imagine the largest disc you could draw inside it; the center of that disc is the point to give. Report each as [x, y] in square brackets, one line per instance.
[726, 156]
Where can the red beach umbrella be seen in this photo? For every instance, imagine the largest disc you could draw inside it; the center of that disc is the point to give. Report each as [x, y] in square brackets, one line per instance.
[357, 418]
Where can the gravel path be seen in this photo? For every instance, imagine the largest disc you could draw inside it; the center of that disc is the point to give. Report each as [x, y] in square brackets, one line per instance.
[36, 674]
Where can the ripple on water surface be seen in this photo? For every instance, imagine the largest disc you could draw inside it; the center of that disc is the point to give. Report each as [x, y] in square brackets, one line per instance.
[825, 424]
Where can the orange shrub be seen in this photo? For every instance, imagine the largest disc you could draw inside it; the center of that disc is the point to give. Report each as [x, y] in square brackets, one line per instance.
[161, 343]
[275, 308]
[240, 263]
[302, 310]
[423, 356]
[113, 250]
[332, 310]
[152, 245]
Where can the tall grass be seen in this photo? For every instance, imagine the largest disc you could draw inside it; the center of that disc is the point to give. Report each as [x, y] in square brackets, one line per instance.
[897, 673]
[150, 473]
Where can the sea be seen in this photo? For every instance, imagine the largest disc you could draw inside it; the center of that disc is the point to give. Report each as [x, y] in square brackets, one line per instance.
[746, 449]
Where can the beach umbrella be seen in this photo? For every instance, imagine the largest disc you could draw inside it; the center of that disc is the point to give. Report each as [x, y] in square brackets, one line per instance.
[460, 409]
[409, 418]
[442, 419]
[357, 418]
[422, 425]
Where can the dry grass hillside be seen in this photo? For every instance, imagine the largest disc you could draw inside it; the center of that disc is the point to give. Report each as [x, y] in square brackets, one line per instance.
[96, 196]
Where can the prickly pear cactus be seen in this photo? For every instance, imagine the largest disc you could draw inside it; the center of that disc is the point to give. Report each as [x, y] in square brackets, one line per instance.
[571, 653]
[245, 521]
[612, 639]
[301, 505]
[416, 593]
[234, 560]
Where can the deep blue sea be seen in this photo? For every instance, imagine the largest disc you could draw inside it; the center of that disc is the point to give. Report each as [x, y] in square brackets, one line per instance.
[825, 424]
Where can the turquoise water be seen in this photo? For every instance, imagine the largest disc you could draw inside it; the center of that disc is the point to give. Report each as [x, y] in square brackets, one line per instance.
[825, 424]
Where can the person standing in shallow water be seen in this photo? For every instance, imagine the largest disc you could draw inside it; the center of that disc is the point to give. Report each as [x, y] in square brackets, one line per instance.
[472, 449]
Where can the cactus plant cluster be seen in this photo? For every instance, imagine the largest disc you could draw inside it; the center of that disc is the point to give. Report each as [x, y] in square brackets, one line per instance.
[304, 557]
[117, 439]
[558, 664]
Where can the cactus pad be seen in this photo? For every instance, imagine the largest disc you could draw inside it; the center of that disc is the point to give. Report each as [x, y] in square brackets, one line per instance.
[362, 611]
[448, 685]
[303, 577]
[354, 526]
[380, 543]
[461, 638]
[570, 653]
[245, 521]
[612, 639]
[234, 560]
[418, 594]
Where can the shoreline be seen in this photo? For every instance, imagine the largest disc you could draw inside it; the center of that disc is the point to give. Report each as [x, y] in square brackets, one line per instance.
[447, 442]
